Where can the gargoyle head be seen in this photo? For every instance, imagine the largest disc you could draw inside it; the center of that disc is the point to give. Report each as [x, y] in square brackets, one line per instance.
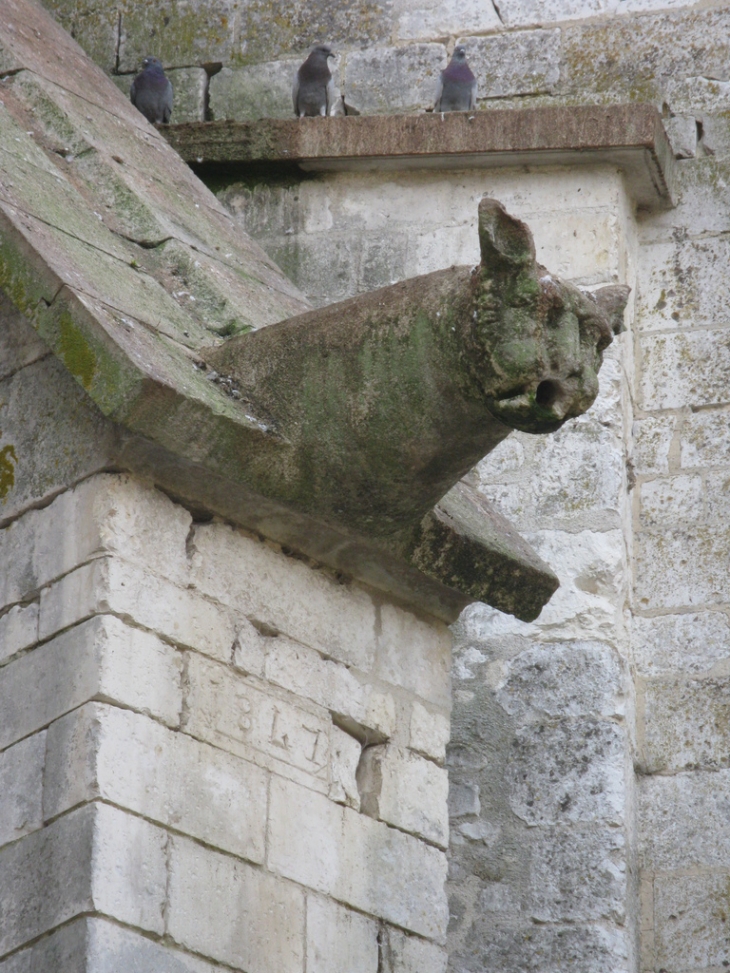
[539, 341]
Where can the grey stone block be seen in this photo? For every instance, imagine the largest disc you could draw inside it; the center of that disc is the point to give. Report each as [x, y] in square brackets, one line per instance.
[18, 629]
[21, 788]
[386, 80]
[686, 724]
[562, 679]
[64, 950]
[246, 917]
[19, 342]
[573, 771]
[683, 568]
[45, 879]
[691, 920]
[519, 63]
[691, 643]
[256, 91]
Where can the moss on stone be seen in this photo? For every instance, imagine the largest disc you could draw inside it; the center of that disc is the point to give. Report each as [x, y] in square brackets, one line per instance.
[75, 351]
[8, 461]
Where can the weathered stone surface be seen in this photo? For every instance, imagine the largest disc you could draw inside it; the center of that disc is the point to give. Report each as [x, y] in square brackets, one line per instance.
[308, 606]
[187, 33]
[133, 762]
[705, 439]
[683, 568]
[671, 500]
[691, 643]
[572, 772]
[559, 680]
[64, 949]
[686, 724]
[21, 786]
[409, 954]
[356, 860]
[263, 38]
[400, 635]
[544, 949]
[18, 629]
[96, 858]
[406, 791]
[386, 80]
[446, 18]
[519, 63]
[684, 821]
[37, 461]
[248, 918]
[683, 284]
[99, 658]
[339, 939]
[690, 925]
[652, 442]
[232, 713]
[19, 343]
[109, 584]
[429, 732]
[578, 875]
[682, 132]
[686, 369]
[345, 753]
[257, 91]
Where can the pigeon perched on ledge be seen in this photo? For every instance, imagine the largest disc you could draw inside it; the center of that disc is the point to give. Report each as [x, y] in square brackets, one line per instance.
[151, 92]
[457, 86]
[313, 92]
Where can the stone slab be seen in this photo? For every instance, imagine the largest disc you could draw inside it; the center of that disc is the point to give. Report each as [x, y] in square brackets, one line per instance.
[246, 918]
[101, 658]
[339, 939]
[101, 751]
[21, 786]
[629, 136]
[357, 860]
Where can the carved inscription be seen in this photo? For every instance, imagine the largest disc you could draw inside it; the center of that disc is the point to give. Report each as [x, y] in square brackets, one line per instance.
[233, 714]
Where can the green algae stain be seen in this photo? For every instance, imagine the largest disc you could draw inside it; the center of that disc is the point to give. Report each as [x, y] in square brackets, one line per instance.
[8, 461]
[75, 351]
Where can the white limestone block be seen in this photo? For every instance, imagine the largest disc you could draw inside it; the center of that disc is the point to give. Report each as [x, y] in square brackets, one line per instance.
[691, 643]
[331, 684]
[133, 762]
[428, 19]
[230, 712]
[671, 500]
[705, 439]
[21, 787]
[284, 593]
[690, 920]
[339, 939]
[685, 724]
[101, 658]
[415, 654]
[18, 629]
[249, 649]
[345, 753]
[685, 369]
[406, 791]
[409, 954]
[109, 584]
[652, 442]
[683, 820]
[94, 859]
[359, 861]
[225, 909]
[429, 732]
[684, 567]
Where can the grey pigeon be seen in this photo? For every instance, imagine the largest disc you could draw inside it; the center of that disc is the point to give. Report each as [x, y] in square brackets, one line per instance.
[457, 86]
[313, 92]
[151, 92]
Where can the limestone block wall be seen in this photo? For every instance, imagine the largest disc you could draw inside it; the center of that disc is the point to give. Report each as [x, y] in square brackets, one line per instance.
[213, 755]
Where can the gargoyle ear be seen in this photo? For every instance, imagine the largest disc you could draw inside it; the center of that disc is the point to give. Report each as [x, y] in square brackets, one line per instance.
[612, 301]
[502, 238]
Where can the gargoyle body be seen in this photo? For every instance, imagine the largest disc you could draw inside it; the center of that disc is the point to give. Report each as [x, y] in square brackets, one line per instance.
[380, 404]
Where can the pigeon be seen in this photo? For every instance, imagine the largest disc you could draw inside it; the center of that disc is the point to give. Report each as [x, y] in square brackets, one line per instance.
[457, 86]
[313, 92]
[151, 92]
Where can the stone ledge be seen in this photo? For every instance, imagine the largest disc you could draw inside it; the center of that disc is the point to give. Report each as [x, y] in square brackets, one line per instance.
[630, 137]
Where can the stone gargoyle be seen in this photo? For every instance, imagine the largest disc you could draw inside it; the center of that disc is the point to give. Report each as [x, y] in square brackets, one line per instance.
[376, 407]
